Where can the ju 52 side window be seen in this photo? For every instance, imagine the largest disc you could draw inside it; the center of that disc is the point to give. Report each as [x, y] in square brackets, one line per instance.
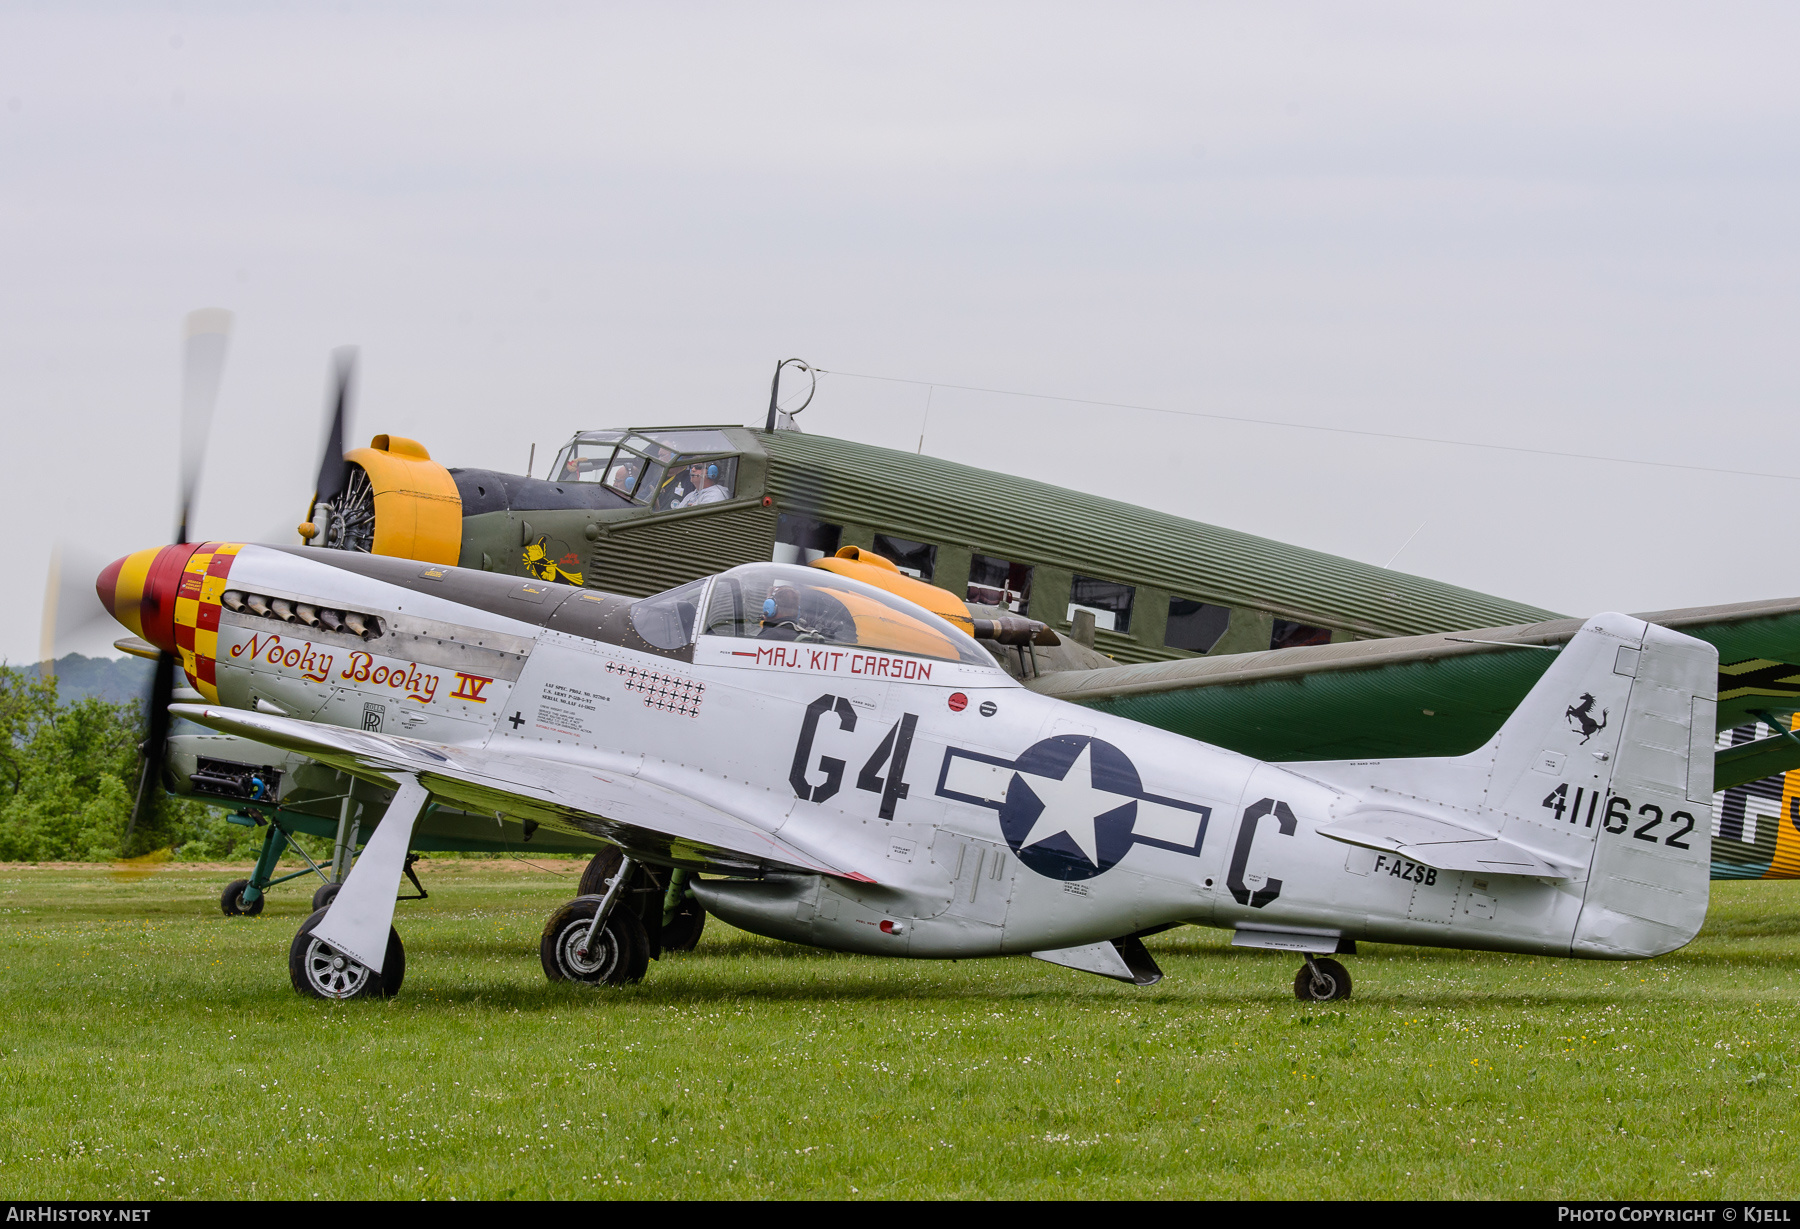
[999, 582]
[916, 559]
[1109, 601]
[800, 539]
[1288, 634]
[1195, 626]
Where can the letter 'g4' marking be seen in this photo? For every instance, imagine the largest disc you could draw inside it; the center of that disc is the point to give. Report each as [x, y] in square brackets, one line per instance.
[1240, 854]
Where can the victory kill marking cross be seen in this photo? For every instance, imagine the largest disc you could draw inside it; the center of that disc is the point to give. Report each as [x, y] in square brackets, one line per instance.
[1071, 805]
[517, 720]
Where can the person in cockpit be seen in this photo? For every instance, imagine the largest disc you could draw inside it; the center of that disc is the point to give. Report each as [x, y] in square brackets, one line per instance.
[781, 615]
[576, 466]
[704, 481]
[625, 473]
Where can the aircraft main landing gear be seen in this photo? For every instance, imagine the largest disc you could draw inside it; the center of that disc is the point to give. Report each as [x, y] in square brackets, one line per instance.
[327, 891]
[322, 971]
[245, 897]
[1321, 980]
[670, 916]
[235, 900]
[592, 940]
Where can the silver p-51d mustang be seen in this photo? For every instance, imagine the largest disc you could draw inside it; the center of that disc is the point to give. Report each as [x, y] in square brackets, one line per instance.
[849, 770]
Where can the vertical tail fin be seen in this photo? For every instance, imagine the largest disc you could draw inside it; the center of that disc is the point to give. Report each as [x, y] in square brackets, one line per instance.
[1602, 777]
[1614, 747]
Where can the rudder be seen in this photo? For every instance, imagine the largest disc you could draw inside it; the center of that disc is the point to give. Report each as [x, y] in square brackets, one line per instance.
[1649, 883]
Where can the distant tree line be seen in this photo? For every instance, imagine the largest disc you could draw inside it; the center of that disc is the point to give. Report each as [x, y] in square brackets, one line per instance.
[69, 774]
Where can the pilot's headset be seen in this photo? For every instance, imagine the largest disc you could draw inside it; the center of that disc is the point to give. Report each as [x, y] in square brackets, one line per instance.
[769, 606]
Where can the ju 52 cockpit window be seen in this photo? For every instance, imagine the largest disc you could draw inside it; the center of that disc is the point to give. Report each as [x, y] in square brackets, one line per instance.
[637, 468]
[692, 441]
[693, 482]
[585, 457]
[665, 469]
[781, 602]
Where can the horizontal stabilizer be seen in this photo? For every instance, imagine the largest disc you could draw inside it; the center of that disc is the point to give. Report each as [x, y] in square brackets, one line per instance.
[1438, 843]
[1752, 761]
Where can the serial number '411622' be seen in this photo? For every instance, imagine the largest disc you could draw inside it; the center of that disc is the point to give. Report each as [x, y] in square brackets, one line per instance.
[1618, 816]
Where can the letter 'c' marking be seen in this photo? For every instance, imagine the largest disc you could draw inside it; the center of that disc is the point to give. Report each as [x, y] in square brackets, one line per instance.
[1240, 853]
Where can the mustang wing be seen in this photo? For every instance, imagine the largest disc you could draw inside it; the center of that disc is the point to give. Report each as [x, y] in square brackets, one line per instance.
[1443, 694]
[642, 816]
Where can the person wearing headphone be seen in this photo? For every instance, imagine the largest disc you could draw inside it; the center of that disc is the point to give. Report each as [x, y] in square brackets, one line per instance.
[704, 478]
[781, 615]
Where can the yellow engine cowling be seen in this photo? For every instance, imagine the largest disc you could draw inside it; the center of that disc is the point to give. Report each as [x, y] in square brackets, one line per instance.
[870, 568]
[418, 512]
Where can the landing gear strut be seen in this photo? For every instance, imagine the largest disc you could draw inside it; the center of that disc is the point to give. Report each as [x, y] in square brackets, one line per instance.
[245, 897]
[334, 955]
[1321, 980]
[659, 898]
[592, 940]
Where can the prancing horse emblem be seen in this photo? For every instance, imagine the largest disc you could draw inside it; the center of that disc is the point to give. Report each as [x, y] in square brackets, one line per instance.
[1581, 718]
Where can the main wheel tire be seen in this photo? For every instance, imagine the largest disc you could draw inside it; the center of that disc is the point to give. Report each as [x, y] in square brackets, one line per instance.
[1333, 982]
[324, 895]
[683, 934]
[320, 970]
[600, 870]
[231, 900]
[621, 951]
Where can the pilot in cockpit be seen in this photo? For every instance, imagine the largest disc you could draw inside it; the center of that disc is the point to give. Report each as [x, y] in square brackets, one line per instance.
[703, 483]
[625, 472]
[802, 612]
[781, 615]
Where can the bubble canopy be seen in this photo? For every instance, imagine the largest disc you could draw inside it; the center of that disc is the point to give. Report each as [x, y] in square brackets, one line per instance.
[782, 602]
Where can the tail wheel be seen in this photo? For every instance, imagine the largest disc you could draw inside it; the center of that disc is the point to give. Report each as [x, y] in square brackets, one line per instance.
[1330, 981]
[232, 901]
[322, 971]
[619, 954]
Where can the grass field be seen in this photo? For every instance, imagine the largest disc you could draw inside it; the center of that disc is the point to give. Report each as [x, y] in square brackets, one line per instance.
[150, 1047]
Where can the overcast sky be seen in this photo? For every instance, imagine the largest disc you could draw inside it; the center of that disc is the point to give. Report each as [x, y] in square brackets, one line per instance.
[1562, 227]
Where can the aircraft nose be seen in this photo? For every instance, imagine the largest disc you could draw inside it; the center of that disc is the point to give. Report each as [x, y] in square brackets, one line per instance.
[139, 591]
